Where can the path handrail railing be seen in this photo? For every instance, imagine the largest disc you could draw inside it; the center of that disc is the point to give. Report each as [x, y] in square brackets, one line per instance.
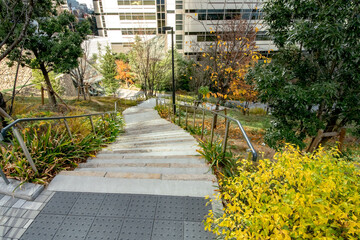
[214, 113]
[12, 125]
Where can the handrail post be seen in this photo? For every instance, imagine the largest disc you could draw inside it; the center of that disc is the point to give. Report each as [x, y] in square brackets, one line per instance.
[4, 177]
[203, 123]
[225, 137]
[179, 112]
[194, 117]
[212, 128]
[92, 124]
[67, 128]
[24, 148]
[170, 112]
[186, 118]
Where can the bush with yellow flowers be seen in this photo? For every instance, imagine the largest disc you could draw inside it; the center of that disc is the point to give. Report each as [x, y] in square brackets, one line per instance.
[294, 196]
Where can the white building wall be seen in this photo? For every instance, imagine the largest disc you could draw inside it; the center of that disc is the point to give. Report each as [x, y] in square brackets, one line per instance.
[191, 24]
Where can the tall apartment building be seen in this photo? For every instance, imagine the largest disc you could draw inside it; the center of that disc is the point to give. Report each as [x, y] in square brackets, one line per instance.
[192, 20]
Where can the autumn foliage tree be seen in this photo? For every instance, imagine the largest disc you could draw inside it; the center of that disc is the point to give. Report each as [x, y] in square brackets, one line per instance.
[123, 70]
[227, 58]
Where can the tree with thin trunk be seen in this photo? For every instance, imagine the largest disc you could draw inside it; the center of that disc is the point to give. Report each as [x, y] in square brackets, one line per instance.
[55, 45]
[146, 60]
[78, 73]
[225, 54]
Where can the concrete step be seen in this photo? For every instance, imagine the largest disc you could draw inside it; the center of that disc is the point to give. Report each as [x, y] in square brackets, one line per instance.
[159, 148]
[148, 164]
[158, 142]
[150, 135]
[176, 187]
[155, 170]
[151, 154]
[119, 160]
[109, 155]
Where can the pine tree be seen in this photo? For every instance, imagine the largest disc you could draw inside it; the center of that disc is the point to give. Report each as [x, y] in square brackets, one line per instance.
[108, 70]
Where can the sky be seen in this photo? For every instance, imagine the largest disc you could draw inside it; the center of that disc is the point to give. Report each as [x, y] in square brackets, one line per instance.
[89, 3]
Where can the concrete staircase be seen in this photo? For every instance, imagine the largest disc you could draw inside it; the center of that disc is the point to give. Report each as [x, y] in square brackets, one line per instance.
[154, 156]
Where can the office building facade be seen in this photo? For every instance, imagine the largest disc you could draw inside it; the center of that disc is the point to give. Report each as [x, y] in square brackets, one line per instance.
[193, 21]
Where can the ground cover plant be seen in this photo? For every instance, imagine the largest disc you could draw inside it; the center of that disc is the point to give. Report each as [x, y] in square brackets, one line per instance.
[49, 143]
[297, 196]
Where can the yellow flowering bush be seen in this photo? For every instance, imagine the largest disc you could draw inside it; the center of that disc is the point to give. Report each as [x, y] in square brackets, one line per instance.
[295, 196]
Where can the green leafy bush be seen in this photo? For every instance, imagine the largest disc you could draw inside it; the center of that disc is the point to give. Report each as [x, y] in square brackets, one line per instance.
[53, 150]
[296, 196]
[257, 111]
[225, 165]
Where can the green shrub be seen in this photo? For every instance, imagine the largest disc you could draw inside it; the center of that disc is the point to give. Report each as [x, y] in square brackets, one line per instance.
[225, 165]
[53, 150]
[257, 111]
[297, 196]
[163, 110]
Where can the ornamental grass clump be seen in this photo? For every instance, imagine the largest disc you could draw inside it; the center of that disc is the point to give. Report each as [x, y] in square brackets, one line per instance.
[294, 196]
[53, 150]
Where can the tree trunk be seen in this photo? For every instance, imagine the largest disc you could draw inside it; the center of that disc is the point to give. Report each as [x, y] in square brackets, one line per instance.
[51, 93]
[217, 107]
[81, 85]
[3, 106]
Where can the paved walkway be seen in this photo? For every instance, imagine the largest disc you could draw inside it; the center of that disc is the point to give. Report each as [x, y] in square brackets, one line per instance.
[154, 156]
[150, 184]
[16, 215]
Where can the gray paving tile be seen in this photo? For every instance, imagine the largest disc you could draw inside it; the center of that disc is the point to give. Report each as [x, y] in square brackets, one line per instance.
[4, 230]
[16, 222]
[3, 220]
[170, 208]
[3, 210]
[19, 203]
[195, 209]
[114, 205]
[61, 203]
[118, 216]
[44, 227]
[15, 212]
[105, 228]
[31, 214]
[4, 200]
[87, 204]
[136, 229]
[11, 202]
[15, 233]
[142, 206]
[166, 229]
[196, 230]
[74, 227]
[32, 205]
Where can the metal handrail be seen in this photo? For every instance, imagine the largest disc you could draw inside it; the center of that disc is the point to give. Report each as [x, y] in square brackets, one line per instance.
[3, 132]
[214, 113]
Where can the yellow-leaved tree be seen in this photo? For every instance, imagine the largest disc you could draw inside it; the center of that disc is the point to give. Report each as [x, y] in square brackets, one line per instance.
[123, 70]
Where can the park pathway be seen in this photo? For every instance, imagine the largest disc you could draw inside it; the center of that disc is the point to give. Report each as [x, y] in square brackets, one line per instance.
[148, 185]
[154, 156]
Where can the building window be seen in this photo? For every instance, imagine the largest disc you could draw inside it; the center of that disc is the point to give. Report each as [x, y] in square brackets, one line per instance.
[138, 31]
[179, 17]
[136, 2]
[161, 15]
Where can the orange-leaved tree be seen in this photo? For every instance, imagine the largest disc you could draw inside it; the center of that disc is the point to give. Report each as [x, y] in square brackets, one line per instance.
[124, 74]
[226, 58]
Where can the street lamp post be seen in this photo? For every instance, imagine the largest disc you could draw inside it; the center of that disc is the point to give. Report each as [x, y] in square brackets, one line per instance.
[173, 65]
